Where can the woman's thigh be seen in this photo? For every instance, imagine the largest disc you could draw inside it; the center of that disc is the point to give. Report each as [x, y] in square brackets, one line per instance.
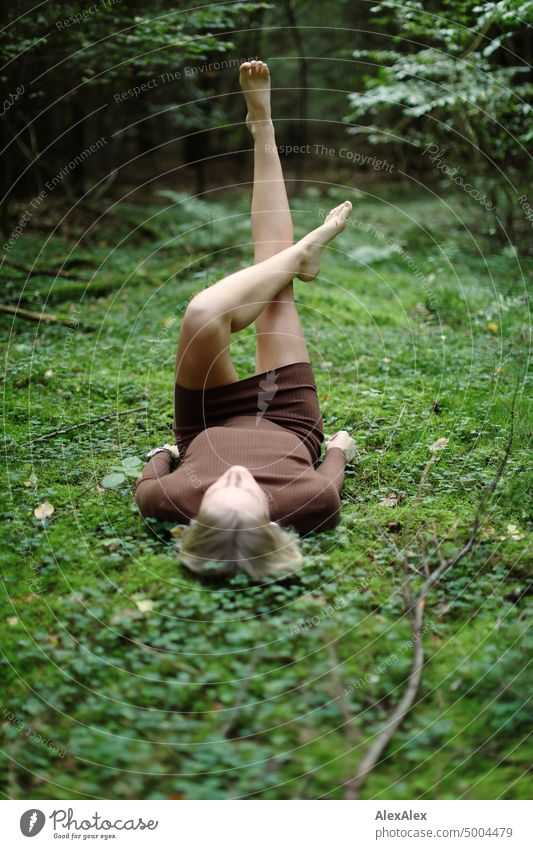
[279, 337]
[203, 358]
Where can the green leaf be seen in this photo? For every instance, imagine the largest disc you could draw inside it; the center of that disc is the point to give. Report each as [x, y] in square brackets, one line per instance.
[113, 480]
[129, 462]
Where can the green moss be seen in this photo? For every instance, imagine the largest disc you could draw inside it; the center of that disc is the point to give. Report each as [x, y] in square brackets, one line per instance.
[142, 701]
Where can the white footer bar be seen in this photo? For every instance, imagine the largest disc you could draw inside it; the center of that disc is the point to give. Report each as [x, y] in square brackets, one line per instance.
[264, 824]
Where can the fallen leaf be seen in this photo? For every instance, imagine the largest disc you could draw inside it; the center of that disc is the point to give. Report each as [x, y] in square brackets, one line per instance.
[44, 510]
[514, 532]
[132, 461]
[439, 444]
[390, 500]
[113, 480]
[145, 605]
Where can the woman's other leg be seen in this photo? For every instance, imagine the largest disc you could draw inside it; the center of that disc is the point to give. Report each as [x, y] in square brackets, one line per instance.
[280, 339]
[202, 359]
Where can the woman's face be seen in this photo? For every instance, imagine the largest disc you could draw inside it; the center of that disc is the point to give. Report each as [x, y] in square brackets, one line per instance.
[237, 489]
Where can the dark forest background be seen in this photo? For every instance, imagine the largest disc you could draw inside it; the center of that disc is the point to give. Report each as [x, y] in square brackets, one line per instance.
[396, 663]
[387, 79]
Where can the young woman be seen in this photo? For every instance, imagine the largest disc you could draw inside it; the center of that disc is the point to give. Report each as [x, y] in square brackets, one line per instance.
[250, 448]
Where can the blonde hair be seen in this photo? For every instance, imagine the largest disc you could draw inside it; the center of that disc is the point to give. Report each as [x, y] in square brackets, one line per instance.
[261, 550]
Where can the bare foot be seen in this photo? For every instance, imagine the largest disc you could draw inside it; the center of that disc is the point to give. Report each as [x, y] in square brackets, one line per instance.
[313, 244]
[254, 78]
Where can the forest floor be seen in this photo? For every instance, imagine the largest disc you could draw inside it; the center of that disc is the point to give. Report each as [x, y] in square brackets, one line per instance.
[124, 677]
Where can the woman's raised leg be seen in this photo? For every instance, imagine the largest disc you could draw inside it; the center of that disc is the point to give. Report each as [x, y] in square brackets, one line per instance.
[238, 300]
[280, 339]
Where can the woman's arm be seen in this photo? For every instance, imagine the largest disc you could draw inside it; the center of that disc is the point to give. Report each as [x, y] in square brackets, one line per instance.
[157, 490]
[341, 449]
[333, 466]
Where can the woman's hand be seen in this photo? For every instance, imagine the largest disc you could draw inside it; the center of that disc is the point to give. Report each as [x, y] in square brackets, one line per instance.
[174, 450]
[342, 440]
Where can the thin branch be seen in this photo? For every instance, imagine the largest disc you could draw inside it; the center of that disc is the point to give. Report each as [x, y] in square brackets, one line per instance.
[47, 317]
[416, 611]
[43, 272]
[60, 431]
[374, 752]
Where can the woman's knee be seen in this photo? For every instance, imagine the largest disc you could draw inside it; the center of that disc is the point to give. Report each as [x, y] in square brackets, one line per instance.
[199, 319]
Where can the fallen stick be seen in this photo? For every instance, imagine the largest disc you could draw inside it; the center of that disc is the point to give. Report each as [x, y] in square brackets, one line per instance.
[60, 431]
[43, 272]
[46, 317]
[415, 609]
[374, 752]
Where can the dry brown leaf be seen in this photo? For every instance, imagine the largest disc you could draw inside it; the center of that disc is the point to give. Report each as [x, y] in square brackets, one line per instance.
[144, 605]
[44, 510]
[390, 501]
[439, 444]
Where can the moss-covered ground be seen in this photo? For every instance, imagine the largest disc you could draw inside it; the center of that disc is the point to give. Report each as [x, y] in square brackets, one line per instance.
[123, 677]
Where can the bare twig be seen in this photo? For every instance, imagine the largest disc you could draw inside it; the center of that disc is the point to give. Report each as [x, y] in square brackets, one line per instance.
[415, 608]
[29, 315]
[394, 430]
[62, 430]
[419, 493]
[374, 752]
[43, 272]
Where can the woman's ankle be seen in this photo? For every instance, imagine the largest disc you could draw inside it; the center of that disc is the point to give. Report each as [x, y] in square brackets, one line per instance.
[263, 131]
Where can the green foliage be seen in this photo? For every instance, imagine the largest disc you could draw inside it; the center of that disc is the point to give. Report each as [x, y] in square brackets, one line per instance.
[454, 87]
[150, 684]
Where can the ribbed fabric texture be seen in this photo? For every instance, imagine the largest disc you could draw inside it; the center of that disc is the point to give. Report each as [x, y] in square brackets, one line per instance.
[270, 423]
[299, 496]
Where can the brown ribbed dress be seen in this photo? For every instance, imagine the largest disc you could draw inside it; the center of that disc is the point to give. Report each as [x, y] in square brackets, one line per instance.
[271, 424]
